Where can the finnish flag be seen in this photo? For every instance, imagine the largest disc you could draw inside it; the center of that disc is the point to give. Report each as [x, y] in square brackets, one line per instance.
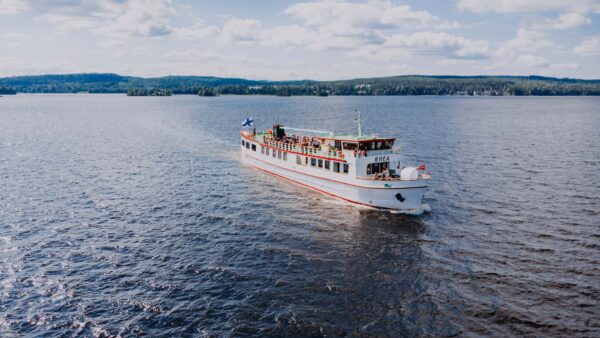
[248, 122]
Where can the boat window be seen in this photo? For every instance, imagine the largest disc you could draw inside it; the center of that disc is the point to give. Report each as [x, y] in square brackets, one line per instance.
[327, 164]
[338, 144]
[243, 143]
[345, 168]
[350, 146]
[376, 145]
[274, 153]
[320, 163]
[306, 160]
[299, 159]
[262, 149]
[253, 147]
[267, 151]
[248, 145]
[285, 155]
[336, 167]
[279, 154]
[313, 161]
[377, 168]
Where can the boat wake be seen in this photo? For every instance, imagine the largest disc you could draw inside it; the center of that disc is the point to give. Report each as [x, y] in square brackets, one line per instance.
[415, 212]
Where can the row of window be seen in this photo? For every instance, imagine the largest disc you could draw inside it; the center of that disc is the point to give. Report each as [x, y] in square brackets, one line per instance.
[314, 162]
[320, 163]
[248, 144]
[282, 155]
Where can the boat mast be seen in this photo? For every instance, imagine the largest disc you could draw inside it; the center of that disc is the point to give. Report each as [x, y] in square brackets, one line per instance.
[359, 121]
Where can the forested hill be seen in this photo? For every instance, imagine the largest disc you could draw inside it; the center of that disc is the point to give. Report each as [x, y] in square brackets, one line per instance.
[396, 85]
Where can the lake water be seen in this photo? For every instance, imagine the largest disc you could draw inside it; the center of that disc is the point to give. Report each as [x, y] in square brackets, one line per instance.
[133, 216]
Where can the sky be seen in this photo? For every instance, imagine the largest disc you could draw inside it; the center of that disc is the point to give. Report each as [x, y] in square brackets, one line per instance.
[292, 40]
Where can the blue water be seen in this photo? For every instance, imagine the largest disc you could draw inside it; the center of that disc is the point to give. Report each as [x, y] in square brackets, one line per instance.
[133, 216]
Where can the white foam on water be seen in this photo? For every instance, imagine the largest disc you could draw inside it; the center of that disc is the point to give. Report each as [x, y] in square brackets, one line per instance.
[414, 212]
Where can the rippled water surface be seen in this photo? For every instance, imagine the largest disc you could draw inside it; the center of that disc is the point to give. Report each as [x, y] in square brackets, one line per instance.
[133, 216]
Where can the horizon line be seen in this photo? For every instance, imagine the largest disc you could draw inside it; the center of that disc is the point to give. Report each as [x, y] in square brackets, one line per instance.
[299, 80]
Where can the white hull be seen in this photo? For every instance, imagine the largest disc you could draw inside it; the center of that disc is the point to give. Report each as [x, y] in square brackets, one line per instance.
[405, 196]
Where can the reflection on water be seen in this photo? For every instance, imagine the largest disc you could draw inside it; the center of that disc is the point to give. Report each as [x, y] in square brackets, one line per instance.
[133, 216]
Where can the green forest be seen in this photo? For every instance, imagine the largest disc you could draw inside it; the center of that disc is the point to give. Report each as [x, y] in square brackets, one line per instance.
[214, 86]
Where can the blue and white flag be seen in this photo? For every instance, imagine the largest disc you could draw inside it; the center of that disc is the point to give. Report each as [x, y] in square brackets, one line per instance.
[248, 122]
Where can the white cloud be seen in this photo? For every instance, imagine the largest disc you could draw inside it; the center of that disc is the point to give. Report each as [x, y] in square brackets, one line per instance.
[514, 6]
[144, 18]
[565, 66]
[405, 16]
[250, 31]
[330, 25]
[247, 30]
[13, 66]
[192, 55]
[69, 23]
[440, 42]
[13, 6]
[289, 36]
[139, 18]
[349, 17]
[565, 21]
[530, 61]
[589, 47]
[525, 41]
[197, 31]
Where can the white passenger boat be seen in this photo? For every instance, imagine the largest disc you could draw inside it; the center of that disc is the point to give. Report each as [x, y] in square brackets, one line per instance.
[360, 169]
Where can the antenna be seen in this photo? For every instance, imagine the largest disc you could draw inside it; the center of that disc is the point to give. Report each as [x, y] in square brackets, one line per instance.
[359, 121]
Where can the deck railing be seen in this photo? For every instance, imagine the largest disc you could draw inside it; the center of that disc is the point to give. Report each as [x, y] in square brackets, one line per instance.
[331, 153]
[306, 150]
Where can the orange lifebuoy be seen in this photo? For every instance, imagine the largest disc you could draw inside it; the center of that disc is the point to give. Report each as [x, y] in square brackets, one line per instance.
[342, 156]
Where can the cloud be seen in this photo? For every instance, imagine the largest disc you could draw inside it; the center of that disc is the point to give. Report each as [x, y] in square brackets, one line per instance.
[405, 16]
[289, 36]
[565, 21]
[191, 55]
[349, 17]
[197, 31]
[589, 47]
[565, 66]
[339, 25]
[522, 52]
[13, 6]
[142, 18]
[530, 61]
[67, 23]
[524, 41]
[515, 6]
[250, 31]
[440, 42]
[246, 30]
[14, 66]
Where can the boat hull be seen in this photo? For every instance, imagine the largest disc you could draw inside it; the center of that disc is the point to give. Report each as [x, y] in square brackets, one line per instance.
[404, 196]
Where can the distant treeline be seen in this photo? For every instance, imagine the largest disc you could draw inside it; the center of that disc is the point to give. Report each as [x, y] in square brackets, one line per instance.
[7, 91]
[148, 92]
[212, 86]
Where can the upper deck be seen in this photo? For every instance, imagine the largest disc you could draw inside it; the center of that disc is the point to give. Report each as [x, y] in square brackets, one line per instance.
[336, 148]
